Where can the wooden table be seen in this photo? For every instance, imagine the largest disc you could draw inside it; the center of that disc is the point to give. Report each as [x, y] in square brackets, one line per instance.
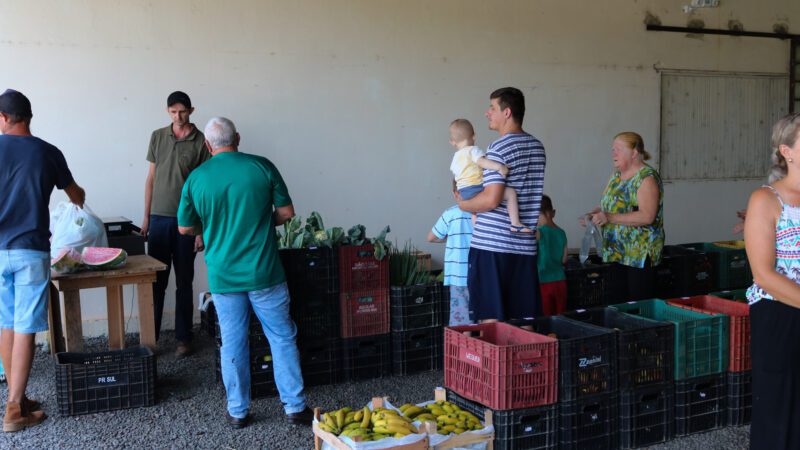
[139, 270]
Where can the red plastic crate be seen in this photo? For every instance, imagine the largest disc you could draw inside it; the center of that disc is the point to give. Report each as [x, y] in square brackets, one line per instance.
[501, 366]
[364, 313]
[739, 313]
[360, 271]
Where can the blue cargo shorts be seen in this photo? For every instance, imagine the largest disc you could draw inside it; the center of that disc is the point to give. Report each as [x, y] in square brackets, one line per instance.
[24, 281]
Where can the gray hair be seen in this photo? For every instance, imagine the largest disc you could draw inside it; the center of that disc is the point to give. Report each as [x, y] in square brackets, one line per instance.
[220, 132]
[785, 132]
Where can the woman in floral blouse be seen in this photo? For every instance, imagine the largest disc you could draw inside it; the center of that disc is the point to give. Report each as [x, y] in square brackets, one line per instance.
[631, 214]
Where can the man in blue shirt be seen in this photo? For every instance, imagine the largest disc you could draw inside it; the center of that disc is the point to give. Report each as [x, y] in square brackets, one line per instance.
[502, 275]
[29, 170]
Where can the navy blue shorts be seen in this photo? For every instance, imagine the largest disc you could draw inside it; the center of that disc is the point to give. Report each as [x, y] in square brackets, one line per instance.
[503, 286]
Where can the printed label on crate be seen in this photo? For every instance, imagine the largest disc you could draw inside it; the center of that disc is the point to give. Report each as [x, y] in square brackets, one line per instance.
[108, 380]
[526, 366]
[586, 362]
[419, 300]
[365, 265]
[738, 264]
[369, 308]
[470, 357]
[702, 276]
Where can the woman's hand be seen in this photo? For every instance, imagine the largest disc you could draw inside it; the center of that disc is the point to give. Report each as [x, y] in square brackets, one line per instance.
[599, 218]
[588, 216]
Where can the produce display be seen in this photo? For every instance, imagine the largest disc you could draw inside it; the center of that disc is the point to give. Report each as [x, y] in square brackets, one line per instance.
[314, 234]
[68, 260]
[449, 418]
[369, 425]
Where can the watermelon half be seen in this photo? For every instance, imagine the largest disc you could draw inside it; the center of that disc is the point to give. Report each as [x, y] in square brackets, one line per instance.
[99, 258]
[67, 260]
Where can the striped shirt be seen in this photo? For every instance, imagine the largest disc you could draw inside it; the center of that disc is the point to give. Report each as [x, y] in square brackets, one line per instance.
[456, 226]
[524, 156]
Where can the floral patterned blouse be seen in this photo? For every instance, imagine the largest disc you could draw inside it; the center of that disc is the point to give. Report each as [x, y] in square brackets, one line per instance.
[632, 245]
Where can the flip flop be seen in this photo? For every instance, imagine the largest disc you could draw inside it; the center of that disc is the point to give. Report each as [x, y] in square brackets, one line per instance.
[522, 229]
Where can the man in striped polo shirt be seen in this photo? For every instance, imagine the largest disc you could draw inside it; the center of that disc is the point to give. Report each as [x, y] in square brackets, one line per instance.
[502, 277]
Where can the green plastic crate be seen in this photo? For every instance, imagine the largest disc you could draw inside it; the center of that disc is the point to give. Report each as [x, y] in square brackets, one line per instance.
[701, 340]
[737, 295]
[730, 260]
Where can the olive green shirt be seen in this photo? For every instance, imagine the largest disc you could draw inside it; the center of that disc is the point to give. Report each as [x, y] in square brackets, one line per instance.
[174, 161]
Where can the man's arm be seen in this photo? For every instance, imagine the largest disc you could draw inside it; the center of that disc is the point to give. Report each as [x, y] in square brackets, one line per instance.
[148, 197]
[486, 163]
[282, 214]
[76, 194]
[485, 201]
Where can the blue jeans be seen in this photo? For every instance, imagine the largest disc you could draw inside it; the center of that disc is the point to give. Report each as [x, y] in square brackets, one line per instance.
[271, 306]
[165, 244]
[24, 280]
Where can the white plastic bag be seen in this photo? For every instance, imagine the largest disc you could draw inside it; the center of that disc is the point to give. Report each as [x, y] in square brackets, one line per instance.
[592, 236]
[76, 228]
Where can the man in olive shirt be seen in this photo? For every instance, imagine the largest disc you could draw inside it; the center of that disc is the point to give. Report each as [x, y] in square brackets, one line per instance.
[174, 152]
[236, 200]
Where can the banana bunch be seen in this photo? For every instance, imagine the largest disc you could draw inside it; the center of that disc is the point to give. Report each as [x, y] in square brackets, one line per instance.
[367, 424]
[449, 418]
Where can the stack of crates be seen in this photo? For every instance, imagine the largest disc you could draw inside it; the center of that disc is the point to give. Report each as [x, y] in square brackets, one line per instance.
[739, 375]
[684, 271]
[701, 358]
[645, 352]
[594, 283]
[416, 323]
[511, 371]
[312, 275]
[732, 270]
[364, 313]
[587, 381]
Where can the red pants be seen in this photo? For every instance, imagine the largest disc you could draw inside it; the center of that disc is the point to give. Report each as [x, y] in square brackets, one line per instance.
[554, 297]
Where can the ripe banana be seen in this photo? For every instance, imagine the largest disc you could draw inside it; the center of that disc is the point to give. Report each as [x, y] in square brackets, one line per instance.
[365, 420]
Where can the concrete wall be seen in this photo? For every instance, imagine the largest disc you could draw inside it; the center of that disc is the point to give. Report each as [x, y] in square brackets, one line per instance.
[351, 99]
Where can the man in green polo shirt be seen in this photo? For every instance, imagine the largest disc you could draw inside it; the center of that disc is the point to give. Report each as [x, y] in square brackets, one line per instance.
[236, 200]
[175, 151]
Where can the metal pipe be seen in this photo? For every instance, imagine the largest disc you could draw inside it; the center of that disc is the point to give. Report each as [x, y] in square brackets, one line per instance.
[722, 32]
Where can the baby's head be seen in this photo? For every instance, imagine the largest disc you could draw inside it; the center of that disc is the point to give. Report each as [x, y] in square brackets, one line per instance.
[461, 133]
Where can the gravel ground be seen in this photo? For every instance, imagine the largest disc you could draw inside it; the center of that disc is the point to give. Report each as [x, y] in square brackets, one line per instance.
[190, 407]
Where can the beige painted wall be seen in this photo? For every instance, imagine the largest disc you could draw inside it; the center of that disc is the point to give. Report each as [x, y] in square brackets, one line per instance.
[351, 99]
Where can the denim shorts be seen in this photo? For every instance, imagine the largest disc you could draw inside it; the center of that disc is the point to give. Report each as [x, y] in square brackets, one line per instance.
[24, 281]
[468, 192]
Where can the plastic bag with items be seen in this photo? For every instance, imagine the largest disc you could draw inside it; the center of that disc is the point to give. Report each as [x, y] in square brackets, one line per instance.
[592, 236]
[74, 228]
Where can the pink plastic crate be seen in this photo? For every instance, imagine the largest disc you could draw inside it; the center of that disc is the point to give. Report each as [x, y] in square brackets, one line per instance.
[501, 366]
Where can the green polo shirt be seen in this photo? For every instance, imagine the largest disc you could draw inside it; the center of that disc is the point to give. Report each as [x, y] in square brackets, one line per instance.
[232, 196]
[174, 160]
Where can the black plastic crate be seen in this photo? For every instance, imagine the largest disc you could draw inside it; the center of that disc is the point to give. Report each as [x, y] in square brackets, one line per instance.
[684, 272]
[646, 415]
[316, 316]
[208, 320]
[311, 271]
[645, 348]
[367, 357]
[700, 404]
[589, 423]
[417, 350]
[594, 283]
[415, 307]
[517, 429]
[587, 355]
[444, 309]
[320, 361]
[740, 398]
[262, 374]
[94, 382]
